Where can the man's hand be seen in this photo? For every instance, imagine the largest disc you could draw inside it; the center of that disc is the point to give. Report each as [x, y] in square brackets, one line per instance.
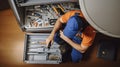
[63, 36]
[49, 39]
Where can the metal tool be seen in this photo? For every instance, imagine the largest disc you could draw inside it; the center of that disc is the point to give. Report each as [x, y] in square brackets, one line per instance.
[49, 45]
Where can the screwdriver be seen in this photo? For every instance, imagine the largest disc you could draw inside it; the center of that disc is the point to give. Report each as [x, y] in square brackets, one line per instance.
[61, 8]
[49, 45]
[54, 8]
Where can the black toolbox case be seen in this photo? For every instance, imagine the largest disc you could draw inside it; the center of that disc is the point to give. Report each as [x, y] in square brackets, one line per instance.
[37, 19]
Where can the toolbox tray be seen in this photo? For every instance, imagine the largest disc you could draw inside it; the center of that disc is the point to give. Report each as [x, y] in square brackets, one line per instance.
[37, 53]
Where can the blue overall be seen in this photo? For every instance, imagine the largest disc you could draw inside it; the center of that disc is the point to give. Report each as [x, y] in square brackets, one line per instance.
[70, 30]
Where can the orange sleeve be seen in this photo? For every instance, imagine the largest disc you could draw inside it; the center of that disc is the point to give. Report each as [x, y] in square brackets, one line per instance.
[88, 36]
[64, 18]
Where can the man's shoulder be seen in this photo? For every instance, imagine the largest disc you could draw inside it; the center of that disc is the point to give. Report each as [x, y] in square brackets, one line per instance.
[89, 27]
[67, 15]
[89, 30]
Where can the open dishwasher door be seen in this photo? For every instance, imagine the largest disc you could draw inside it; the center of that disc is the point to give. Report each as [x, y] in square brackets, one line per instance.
[103, 15]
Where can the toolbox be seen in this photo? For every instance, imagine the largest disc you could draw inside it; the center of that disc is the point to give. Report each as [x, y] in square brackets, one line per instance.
[35, 50]
[37, 19]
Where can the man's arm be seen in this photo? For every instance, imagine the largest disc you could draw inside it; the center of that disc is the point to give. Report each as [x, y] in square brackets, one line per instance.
[57, 26]
[55, 29]
[78, 47]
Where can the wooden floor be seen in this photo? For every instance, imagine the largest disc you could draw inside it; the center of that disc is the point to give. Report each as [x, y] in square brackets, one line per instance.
[12, 47]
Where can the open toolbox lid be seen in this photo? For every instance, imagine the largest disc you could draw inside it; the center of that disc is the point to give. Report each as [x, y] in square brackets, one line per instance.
[103, 15]
[40, 15]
